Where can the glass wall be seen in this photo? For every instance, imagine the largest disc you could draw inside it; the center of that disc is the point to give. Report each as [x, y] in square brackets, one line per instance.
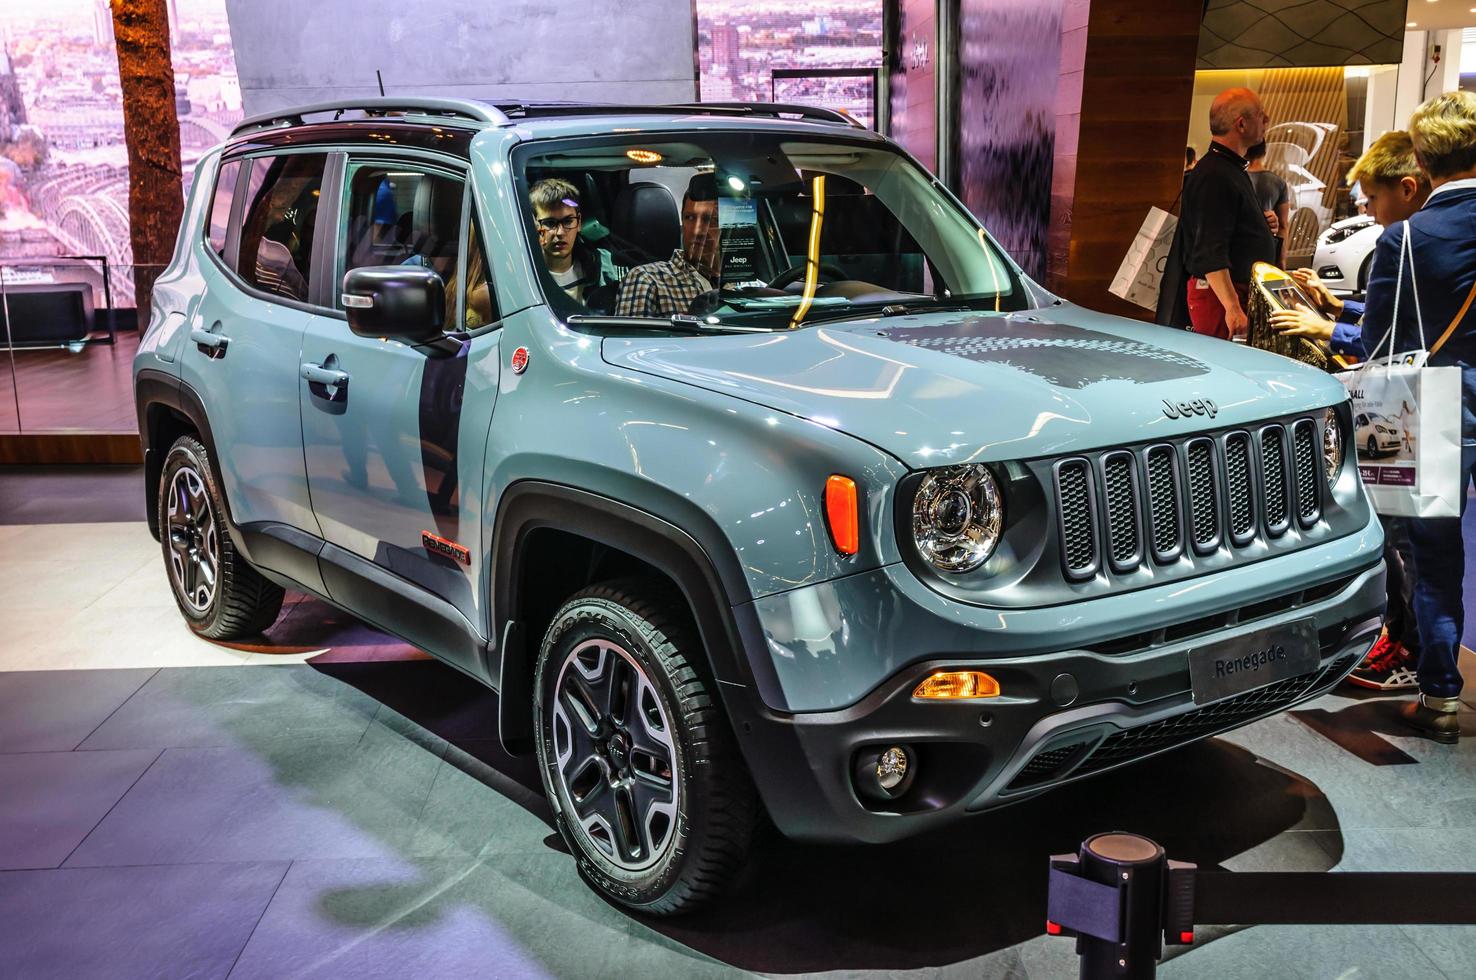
[807, 52]
[1322, 119]
[66, 264]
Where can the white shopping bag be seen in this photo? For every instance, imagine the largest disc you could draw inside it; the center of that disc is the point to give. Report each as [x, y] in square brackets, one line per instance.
[1141, 273]
[1407, 422]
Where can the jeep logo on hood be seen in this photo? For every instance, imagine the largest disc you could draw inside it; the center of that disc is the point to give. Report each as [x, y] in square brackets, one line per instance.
[1199, 406]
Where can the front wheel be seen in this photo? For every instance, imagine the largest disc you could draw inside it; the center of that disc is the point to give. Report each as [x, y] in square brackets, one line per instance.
[646, 785]
[220, 595]
[1373, 448]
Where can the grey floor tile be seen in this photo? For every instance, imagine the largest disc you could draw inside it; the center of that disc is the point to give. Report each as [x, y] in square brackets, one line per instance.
[277, 800]
[475, 810]
[210, 706]
[1313, 953]
[1451, 948]
[160, 923]
[54, 710]
[50, 801]
[524, 916]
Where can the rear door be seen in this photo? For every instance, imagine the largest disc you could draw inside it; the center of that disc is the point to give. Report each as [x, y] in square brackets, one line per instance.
[246, 333]
[394, 454]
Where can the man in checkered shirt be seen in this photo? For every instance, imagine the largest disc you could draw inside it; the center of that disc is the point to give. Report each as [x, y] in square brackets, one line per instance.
[659, 289]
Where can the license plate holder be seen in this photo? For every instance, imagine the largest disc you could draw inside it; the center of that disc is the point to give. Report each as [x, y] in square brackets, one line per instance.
[1252, 660]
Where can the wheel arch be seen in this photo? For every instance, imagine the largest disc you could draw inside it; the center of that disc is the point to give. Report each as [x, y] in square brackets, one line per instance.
[167, 409]
[534, 513]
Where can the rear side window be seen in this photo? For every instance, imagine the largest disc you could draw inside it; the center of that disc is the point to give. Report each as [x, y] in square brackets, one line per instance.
[280, 218]
[220, 206]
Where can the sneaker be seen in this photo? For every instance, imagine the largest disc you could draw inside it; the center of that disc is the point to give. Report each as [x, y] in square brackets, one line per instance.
[1434, 718]
[1388, 667]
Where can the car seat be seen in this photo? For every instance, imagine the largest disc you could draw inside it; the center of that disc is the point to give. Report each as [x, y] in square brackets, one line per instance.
[645, 224]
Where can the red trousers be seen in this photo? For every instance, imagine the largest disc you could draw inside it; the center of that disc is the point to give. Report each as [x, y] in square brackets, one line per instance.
[1206, 314]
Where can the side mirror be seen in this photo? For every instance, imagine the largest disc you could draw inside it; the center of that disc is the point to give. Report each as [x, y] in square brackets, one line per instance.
[402, 302]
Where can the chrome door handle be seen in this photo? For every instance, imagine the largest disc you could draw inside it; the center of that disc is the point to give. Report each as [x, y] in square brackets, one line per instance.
[213, 344]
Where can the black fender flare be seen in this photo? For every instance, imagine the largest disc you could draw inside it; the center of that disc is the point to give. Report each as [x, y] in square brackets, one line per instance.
[153, 390]
[710, 580]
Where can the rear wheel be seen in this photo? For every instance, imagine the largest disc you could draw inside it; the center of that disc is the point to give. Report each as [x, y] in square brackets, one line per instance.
[220, 595]
[646, 785]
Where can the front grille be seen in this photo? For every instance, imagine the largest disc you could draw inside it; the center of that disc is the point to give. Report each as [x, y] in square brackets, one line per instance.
[1204, 514]
[1273, 479]
[1305, 456]
[1163, 502]
[1119, 487]
[1049, 764]
[1239, 489]
[1190, 497]
[1078, 536]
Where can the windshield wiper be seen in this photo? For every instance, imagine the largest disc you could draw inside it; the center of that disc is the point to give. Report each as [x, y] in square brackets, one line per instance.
[677, 321]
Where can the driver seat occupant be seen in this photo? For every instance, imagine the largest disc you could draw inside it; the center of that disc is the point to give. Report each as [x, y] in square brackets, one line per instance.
[659, 289]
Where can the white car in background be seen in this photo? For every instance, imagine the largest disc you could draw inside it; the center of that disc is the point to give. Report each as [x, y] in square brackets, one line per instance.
[1376, 434]
[1345, 252]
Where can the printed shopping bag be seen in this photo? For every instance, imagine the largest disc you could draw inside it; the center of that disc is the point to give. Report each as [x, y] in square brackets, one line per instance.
[1407, 420]
[1141, 272]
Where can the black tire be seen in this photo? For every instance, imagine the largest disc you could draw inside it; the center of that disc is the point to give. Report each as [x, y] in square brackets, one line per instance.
[705, 845]
[1373, 448]
[237, 600]
[1363, 271]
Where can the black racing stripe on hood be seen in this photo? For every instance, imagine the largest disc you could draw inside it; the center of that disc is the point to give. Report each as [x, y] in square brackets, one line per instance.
[1066, 356]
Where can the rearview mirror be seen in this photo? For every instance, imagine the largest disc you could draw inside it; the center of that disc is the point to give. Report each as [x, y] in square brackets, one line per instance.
[402, 302]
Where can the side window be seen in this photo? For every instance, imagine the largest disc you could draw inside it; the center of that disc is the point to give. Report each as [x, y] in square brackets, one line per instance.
[399, 215]
[277, 229]
[220, 206]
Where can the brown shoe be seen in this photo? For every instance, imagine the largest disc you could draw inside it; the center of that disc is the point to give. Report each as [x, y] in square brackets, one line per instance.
[1434, 718]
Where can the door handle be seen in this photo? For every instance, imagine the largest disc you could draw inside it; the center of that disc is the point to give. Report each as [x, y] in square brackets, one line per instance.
[320, 374]
[210, 344]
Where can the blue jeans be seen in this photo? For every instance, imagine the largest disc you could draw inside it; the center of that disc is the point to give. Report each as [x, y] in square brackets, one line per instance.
[1440, 561]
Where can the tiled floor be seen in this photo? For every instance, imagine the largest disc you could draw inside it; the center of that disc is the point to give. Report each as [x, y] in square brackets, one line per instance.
[337, 807]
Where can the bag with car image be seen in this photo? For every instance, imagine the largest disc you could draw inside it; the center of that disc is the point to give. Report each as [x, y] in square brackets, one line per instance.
[1407, 419]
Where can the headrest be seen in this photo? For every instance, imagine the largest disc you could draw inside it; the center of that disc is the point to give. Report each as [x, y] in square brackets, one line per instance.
[437, 216]
[646, 215]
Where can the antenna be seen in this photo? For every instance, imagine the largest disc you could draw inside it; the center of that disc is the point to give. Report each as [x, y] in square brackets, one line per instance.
[380, 79]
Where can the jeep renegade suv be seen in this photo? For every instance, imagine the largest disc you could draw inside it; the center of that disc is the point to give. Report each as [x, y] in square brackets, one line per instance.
[788, 492]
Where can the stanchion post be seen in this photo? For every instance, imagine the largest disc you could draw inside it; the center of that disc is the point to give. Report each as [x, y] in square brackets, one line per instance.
[1135, 867]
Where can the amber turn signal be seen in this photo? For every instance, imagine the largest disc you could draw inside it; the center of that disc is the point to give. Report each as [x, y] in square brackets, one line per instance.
[843, 515]
[957, 685]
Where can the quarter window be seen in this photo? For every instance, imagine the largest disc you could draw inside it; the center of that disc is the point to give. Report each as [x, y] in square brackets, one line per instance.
[277, 230]
[220, 206]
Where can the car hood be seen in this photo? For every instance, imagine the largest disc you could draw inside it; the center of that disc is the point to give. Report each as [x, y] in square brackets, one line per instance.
[943, 388]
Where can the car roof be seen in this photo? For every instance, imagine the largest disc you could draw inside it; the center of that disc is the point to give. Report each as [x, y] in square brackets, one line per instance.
[552, 118]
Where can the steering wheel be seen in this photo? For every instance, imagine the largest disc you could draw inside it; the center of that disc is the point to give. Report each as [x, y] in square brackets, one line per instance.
[797, 272]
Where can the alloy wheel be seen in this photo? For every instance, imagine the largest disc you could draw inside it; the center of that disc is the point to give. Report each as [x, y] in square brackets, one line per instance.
[615, 755]
[194, 547]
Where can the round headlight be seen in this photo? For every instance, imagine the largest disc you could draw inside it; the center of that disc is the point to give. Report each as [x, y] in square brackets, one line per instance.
[957, 517]
[1332, 446]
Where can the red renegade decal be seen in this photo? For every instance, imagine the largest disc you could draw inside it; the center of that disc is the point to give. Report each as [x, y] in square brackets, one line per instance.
[438, 545]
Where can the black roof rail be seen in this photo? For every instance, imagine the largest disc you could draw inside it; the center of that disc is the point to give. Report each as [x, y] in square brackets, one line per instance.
[774, 109]
[376, 106]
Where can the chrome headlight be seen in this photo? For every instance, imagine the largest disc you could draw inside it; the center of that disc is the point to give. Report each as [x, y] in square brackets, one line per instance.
[1332, 446]
[957, 517]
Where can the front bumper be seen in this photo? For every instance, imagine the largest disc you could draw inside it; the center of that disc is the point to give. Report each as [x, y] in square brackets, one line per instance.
[1121, 701]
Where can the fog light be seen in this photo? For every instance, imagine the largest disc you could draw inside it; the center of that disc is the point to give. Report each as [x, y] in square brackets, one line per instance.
[957, 685]
[891, 768]
[884, 773]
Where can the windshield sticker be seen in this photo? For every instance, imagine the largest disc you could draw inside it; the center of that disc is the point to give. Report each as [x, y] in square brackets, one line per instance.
[1068, 357]
[738, 221]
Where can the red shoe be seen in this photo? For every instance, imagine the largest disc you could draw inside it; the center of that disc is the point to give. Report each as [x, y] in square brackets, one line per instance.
[1388, 667]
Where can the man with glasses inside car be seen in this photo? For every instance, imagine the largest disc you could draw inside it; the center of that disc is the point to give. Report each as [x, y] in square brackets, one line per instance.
[585, 273]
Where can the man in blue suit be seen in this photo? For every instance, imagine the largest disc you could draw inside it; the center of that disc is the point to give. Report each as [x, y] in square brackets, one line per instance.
[1442, 237]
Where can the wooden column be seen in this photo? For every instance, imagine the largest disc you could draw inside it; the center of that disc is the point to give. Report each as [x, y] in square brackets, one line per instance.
[1127, 81]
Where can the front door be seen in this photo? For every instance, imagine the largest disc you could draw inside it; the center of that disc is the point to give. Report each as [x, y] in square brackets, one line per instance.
[394, 452]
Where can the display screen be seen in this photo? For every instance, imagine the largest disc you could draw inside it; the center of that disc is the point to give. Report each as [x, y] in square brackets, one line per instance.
[1289, 296]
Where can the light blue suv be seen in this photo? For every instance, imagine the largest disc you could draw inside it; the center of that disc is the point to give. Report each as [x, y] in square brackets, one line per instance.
[739, 460]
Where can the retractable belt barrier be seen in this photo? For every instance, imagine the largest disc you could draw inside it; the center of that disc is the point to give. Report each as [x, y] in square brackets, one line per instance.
[1123, 900]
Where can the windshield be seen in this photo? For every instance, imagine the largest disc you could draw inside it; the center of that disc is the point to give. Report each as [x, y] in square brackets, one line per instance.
[751, 230]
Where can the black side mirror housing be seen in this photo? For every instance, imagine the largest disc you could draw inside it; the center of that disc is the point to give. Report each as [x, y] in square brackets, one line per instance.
[402, 302]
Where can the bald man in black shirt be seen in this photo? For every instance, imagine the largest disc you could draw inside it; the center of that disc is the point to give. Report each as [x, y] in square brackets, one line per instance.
[1224, 228]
